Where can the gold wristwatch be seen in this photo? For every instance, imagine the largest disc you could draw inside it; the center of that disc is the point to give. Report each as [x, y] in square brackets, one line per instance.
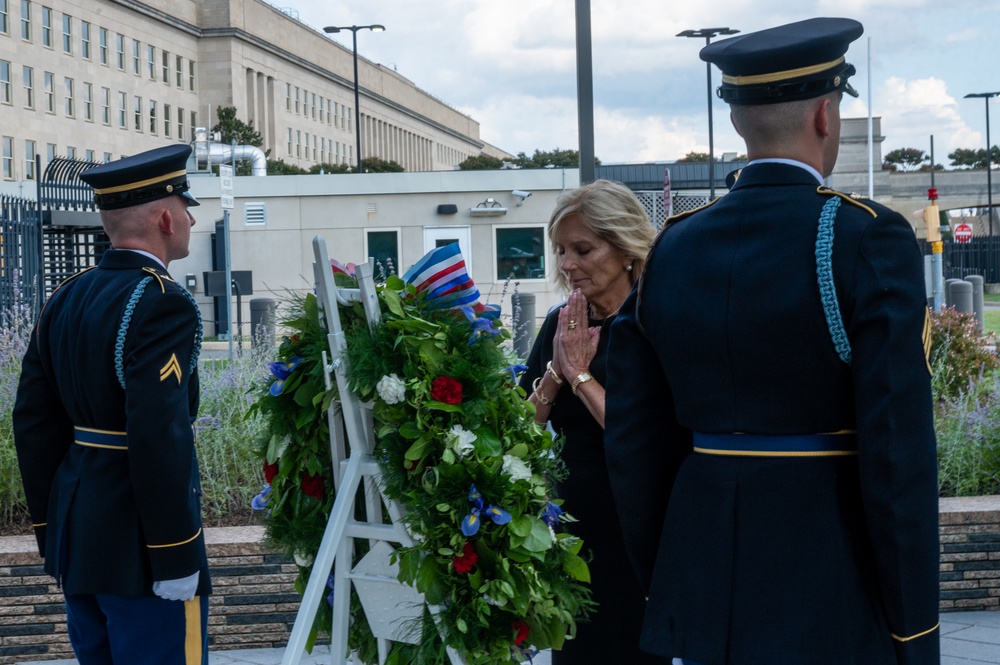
[582, 377]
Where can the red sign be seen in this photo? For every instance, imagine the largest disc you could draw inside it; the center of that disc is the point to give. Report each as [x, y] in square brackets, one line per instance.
[963, 233]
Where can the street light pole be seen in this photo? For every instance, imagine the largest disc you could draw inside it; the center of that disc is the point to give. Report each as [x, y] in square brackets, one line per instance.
[708, 33]
[357, 95]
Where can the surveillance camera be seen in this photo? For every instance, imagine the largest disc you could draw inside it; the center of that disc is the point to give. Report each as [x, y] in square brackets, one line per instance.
[521, 195]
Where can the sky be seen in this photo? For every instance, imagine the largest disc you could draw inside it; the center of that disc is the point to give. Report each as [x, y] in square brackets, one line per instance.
[511, 66]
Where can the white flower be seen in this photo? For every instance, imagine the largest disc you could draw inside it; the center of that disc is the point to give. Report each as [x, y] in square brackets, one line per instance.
[302, 559]
[516, 467]
[391, 389]
[463, 440]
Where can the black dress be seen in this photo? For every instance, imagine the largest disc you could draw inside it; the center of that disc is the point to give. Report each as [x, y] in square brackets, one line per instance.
[611, 635]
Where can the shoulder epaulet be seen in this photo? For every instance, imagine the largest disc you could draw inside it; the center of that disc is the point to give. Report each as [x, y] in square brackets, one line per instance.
[850, 198]
[160, 278]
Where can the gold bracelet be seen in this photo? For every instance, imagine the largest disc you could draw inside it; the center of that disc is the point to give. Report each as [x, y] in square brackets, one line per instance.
[582, 377]
[552, 373]
[535, 385]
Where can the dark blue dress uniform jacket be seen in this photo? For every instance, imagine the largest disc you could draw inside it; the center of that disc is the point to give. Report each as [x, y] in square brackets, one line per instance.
[109, 519]
[764, 560]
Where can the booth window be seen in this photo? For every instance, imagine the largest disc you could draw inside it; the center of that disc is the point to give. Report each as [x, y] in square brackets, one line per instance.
[520, 252]
[383, 247]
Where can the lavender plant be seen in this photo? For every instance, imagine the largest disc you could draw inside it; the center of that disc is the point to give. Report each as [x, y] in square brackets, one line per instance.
[15, 331]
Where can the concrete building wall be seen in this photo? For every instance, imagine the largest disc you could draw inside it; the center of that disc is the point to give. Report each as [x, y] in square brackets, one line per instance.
[206, 54]
[344, 209]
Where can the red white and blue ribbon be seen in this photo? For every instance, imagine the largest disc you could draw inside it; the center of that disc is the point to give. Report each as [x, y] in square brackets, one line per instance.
[443, 275]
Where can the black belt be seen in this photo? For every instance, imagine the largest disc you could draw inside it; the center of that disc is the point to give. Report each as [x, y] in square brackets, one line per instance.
[100, 438]
[777, 445]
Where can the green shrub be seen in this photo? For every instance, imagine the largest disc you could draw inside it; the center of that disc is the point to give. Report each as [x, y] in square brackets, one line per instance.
[958, 356]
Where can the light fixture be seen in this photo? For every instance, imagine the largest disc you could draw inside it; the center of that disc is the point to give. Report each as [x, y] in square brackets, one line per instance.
[488, 208]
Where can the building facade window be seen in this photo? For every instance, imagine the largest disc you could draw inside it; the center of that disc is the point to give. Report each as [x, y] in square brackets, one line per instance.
[383, 247]
[194, 120]
[289, 141]
[313, 105]
[106, 106]
[166, 120]
[120, 51]
[28, 76]
[152, 117]
[50, 92]
[102, 45]
[107, 157]
[298, 143]
[85, 40]
[6, 96]
[520, 252]
[26, 20]
[89, 156]
[191, 75]
[307, 146]
[122, 110]
[288, 96]
[50, 152]
[70, 152]
[180, 124]
[47, 27]
[8, 157]
[70, 100]
[297, 99]
[166, 67]
[4, 17]
[88, 102]
[137, 113]
[67, 33]
[29, 160]
[136, 57]
[180, 72]
[336, 114]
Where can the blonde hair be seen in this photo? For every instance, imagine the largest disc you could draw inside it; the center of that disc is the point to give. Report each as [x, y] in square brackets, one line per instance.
[612, 212]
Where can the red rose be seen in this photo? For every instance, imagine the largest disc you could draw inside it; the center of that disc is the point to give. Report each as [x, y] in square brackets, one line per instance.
[270, 471]
[467, 561]
[521, 631]
[446, 389]
[314, 486]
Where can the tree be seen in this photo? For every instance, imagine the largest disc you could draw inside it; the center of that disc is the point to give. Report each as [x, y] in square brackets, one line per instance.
[964, 158]
[280, 167]
[551, 159]
[905, 159]
[233, 129]
[379, 165]
[330, 168]
[694, 157]
[480, 162]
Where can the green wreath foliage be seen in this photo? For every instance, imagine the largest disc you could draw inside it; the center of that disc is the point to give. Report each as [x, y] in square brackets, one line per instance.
[458, 447]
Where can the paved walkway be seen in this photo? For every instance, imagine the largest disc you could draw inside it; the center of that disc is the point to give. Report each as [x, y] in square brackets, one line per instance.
[967, 638]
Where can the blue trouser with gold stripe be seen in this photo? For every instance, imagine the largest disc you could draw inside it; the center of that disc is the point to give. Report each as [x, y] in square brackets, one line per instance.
[118, 630]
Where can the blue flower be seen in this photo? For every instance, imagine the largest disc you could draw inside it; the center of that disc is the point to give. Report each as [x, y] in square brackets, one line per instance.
[475, 497]
[259, 502]
[281, 371]
[551, 514]
[480, 325]
[515, 370]
[329, 585]
[470, 523]
[498, 515]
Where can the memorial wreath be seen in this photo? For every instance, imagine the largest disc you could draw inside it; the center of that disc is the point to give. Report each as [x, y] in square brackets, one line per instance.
[457, 446]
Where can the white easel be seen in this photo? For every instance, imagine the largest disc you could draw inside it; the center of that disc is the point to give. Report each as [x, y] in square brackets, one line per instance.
[342, 528]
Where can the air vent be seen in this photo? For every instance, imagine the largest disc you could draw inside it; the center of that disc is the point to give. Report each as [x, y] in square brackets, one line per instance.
[254, 213]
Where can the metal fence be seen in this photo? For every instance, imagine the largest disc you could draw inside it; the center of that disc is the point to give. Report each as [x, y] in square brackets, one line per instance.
[657, 209]
[979, 256]
[20, 253]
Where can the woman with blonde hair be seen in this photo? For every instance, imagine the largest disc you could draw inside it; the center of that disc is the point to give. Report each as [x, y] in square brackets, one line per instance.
[600, 234]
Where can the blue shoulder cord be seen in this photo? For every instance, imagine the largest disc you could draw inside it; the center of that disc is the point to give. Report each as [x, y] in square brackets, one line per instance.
[824, 275]
[127, 318]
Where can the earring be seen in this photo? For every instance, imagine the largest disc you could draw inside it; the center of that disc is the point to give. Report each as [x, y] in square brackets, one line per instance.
[629, 267]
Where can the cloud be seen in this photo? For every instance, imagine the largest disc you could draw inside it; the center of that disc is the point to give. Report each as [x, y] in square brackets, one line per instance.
[914, 110]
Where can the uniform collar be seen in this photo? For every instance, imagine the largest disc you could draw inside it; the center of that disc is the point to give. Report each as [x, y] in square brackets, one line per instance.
[791, 162]
[773, 172]
[129, 259]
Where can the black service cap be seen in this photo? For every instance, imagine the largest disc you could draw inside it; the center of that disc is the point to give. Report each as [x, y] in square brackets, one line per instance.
[790, 62]
[148, 176]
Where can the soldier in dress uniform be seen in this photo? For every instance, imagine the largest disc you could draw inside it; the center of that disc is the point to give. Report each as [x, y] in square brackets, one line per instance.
[102, 428]
[769, 425]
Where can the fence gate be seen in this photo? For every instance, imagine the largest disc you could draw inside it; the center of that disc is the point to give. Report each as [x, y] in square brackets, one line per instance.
[20, 254]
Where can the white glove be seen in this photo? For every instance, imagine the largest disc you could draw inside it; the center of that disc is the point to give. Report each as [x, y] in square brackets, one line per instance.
[182, 589]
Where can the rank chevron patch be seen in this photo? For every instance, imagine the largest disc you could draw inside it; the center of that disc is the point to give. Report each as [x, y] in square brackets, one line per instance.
[172, 367]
